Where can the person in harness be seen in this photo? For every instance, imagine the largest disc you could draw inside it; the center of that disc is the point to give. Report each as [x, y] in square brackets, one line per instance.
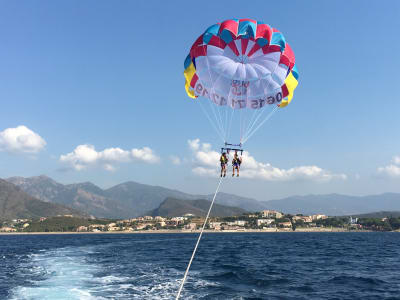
[236, 162]
[224, 161]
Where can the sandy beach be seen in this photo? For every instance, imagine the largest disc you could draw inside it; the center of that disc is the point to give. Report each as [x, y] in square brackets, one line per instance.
[273, 230]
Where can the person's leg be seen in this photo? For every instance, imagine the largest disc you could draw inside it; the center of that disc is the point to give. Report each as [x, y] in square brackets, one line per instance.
[237, 171]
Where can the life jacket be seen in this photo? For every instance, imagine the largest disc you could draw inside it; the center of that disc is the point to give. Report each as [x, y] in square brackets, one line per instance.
[236, 160]
[223, 159]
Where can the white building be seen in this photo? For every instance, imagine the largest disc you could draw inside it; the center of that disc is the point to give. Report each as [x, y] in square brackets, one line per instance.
[264, 221]
[318, 217]
[82, 229]
[271, 214]
[191, 226]
[178, 220]
[286, 224]
[215, 225]
[241, 223]
[305, 219]
[161, 223]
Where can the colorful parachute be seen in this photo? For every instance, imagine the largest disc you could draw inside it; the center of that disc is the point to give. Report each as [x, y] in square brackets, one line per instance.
[241, 64]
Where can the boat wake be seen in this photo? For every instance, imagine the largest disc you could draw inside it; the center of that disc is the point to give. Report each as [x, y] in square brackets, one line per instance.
[85, 273]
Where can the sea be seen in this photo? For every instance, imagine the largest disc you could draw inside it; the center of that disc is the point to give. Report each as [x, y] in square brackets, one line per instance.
[292, 265]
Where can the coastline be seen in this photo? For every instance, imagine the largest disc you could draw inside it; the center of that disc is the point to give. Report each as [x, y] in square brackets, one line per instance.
[187, 231]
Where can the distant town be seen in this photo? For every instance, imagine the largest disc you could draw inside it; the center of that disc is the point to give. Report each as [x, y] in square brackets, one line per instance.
[263, 221]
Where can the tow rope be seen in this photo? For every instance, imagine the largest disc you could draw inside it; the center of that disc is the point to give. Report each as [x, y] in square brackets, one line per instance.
[198, 241]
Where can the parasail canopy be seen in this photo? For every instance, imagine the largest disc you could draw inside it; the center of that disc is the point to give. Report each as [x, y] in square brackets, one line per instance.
[241, 64]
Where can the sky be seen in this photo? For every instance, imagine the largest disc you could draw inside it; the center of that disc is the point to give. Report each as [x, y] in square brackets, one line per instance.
[94, 91]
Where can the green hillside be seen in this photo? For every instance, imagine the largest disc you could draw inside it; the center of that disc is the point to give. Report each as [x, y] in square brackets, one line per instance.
[16, 204]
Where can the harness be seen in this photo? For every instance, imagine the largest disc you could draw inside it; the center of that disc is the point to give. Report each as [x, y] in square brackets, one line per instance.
[236, 161]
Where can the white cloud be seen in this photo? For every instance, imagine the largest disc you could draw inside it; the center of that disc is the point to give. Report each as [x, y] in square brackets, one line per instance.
[206, 163]
[21, 140]
[145, 154]
[175, 160]
[194, 145]
[204, 171]
[85, 156]
[392, 170]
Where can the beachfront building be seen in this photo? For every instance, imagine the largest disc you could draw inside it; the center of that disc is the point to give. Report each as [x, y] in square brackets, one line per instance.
[215, 225]
[124, 221]
[19, 221]
[191, 226]
[318, 217]
[264, 222]
[240, 223]
[178, 220]
[285, 224]
[82, 229]
[7, 229]
[305, 219]
[113, 228]
[162, 223]
[97, 227]
[141, 226]
[237, 223]
[271, 214]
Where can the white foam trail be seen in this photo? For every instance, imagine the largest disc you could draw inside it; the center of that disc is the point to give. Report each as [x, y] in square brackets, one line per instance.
[70, 273]
[65, 274]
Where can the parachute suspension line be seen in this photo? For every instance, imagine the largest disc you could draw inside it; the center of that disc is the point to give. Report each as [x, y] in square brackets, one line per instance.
[221, 117]
[219, 121]
[245, 117]
[198, 241]
[268, 116]
[241, 124]
[211, 121]
[251, 120]
[226, 122]
[260, 113]
[261, 124]
[230, 125]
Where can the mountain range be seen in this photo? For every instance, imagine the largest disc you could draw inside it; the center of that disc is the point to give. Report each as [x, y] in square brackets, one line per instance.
[172, 207]
[125, 200]
[16, 204]
[336, 204]
[131, 199]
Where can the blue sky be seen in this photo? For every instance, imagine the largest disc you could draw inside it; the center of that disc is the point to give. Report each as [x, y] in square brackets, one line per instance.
[110, 75]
